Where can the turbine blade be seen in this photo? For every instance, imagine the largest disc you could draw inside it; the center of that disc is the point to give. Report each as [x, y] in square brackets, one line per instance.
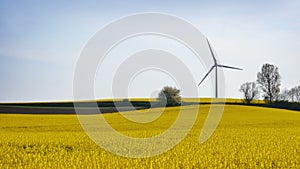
[206, 75]
[211, 51]
[230, 67]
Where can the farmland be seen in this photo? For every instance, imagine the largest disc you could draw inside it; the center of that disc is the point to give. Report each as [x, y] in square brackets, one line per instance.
[247, 137]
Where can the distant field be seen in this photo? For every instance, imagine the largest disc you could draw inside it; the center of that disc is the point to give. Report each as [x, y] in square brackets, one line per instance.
[105, 105]
[247, 137]
[228, 100]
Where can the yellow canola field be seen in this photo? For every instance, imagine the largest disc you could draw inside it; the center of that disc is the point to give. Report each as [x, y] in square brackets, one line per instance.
[247, 137]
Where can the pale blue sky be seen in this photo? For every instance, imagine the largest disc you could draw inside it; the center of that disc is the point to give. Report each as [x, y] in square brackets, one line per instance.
[41, 40]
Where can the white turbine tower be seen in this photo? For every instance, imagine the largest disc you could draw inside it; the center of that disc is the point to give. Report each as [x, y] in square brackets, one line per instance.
[216, 65]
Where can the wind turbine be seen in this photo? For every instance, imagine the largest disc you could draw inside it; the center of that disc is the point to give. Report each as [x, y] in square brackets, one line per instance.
[216, 65]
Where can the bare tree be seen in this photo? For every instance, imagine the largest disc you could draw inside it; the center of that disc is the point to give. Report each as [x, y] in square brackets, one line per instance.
[297, 94]
[284, 95]
[269, 81]
[250, 91]
[169, 96]
[294, 94]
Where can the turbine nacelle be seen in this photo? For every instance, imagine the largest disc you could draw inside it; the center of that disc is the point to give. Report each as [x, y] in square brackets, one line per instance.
[223, 66]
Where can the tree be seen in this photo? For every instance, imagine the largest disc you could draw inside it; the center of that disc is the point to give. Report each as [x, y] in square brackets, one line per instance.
[169, 96]
[269, 81]
[294, 94]
[284, 95]
[250, 91]
[297, 88]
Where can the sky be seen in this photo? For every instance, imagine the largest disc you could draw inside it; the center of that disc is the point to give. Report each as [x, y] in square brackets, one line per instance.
[40, 42]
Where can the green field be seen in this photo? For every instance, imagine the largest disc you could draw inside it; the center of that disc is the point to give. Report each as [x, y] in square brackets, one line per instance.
[247, 137]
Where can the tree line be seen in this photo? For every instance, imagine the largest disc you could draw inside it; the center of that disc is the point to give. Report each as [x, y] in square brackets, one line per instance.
[267, 85]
